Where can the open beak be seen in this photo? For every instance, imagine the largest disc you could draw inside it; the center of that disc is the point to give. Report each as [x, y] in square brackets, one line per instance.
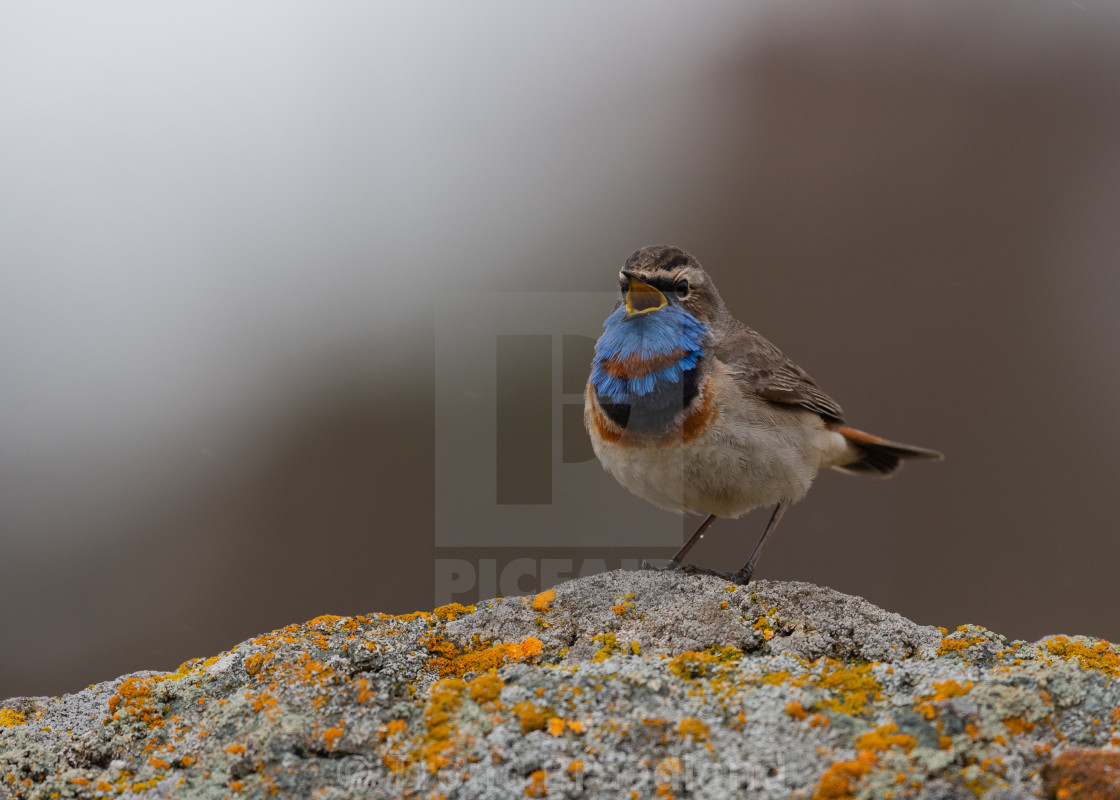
[641, 298]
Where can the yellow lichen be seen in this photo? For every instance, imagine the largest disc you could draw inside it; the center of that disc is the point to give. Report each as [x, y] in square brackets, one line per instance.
[625, 606]
[694, 664]
[854, 687]
[486, 688]
[446, 699]
[610, 645]
[10, 718]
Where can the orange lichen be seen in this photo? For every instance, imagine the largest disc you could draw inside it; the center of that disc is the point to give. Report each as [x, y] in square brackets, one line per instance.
[692, 728]
[953, 646]
[926, 709]
[256, 661]
[537, 786]
[664, 773]
[625, 606]
[486, 688]
[543, 601]
[885, 737]
[556, 726]
[532, 718]
[1018, 725]
[796, 710]
[1101, 656]
[452, 611]
[448, 660]
[445, 700]
[236, 749]
[332, 735]
[947, 689]
[10, 718]
[840, 780]
[135, 697]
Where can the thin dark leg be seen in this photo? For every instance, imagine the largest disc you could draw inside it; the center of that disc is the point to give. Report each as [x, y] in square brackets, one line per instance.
[743, 576]
[707, 523]
[676, 561]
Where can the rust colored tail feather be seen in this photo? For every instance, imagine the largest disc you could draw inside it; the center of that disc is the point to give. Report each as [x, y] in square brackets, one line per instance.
[879, 457]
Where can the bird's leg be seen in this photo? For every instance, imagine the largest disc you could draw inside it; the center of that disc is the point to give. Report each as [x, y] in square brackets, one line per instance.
[676, 561]
[743, 576]
[746, 572]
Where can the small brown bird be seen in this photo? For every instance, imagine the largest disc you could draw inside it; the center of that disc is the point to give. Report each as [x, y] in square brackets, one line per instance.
[695, 412]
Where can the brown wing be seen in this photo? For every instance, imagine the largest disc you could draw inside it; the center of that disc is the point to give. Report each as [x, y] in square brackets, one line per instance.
[762, 368]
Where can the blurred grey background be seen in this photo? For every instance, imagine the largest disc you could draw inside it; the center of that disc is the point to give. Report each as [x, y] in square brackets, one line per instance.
[223, 229]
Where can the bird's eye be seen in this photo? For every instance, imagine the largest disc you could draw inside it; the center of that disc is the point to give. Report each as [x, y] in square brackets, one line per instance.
[682, 289]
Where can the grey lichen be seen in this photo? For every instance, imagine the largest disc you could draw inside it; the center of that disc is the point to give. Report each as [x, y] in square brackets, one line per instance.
[627, 684]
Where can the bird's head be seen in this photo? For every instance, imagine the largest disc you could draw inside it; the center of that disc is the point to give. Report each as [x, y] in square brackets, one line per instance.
[659, 277]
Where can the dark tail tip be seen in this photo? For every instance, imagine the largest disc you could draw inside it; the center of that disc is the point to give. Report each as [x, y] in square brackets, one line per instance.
[878, 457]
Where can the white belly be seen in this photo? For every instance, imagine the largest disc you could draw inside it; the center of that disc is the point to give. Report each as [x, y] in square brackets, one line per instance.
[752, 453]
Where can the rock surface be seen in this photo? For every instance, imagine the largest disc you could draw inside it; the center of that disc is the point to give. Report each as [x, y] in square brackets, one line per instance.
[625, 684]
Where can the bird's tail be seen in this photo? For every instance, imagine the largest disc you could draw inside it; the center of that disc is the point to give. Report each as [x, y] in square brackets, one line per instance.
[877, 457]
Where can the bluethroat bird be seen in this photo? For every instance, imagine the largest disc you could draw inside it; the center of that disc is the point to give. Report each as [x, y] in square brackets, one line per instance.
[690, 409]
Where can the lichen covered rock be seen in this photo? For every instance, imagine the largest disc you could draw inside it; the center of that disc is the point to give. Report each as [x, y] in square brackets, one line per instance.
[626, 684]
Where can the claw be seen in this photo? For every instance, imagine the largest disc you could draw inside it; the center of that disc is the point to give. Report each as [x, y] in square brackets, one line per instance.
[741, 577]
[691, 570]
[672, 566]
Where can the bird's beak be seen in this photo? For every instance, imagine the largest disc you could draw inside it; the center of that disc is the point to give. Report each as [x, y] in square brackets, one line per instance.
[641, 298]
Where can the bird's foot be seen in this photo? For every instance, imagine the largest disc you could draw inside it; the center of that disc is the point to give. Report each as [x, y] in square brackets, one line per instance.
[740, 577]
[743, 576]
[672, 566]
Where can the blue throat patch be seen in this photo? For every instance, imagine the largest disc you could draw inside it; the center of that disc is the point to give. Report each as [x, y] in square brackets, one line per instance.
[669, 336]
